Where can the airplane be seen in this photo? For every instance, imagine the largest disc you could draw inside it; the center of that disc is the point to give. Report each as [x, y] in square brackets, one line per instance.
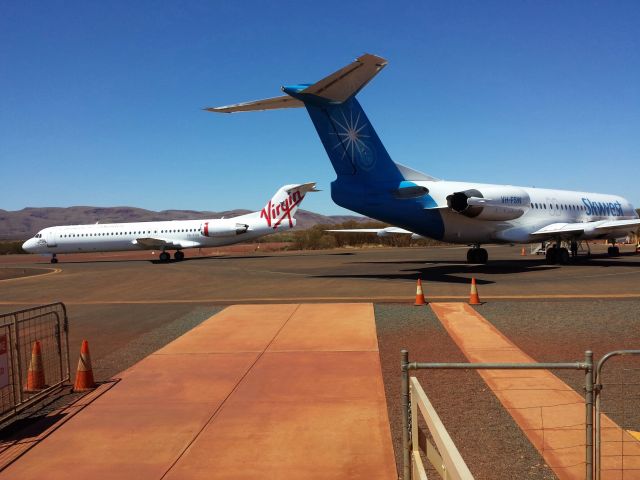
[370, 183]
[277, 215]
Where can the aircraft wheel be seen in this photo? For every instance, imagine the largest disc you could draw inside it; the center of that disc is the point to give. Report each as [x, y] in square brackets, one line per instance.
[563, 256]
[164, 257]
[471, 255]
[54, 260]
[551, 255]
[613, 251]
[483, 256]
[179, 255]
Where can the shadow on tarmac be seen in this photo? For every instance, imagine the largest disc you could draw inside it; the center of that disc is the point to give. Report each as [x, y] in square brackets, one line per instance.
[448, 272]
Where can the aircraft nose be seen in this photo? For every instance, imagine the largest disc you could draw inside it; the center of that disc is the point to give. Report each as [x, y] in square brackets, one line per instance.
[29, 245]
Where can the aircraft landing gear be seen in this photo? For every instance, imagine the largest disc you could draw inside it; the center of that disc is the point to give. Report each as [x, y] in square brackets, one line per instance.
[164, 257]
[613, 250]
[477, 255]
[54, 259]
[557, 255]
[179, 255]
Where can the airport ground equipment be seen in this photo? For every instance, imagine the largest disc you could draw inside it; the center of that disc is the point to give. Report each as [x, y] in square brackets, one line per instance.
[19, 331]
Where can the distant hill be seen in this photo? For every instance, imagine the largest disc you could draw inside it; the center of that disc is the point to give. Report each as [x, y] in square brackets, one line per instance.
[22, 224]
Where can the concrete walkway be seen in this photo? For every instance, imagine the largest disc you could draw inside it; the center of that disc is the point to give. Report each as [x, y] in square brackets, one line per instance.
[550, 413]
[257, 391]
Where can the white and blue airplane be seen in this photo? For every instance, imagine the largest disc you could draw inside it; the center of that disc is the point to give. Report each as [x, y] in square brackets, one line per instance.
[277, 215]
[370, 183]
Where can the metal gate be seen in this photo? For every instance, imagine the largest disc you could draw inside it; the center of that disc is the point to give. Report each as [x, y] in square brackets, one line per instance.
[412, 436]
[47, 324]
[617, 397]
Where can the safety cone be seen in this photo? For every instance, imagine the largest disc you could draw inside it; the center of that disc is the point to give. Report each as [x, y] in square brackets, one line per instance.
[84, 376]
[474, 299]
[419, 294]
[523, 252]
[35, 375]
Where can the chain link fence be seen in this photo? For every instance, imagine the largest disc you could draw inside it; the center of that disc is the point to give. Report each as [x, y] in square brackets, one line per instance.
[19, 332]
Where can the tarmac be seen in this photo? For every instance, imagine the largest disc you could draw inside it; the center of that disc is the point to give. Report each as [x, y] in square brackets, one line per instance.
[550, 313]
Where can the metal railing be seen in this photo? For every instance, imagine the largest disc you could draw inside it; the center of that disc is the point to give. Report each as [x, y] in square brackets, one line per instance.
[19, 330]
[622, 449]
[410, 429]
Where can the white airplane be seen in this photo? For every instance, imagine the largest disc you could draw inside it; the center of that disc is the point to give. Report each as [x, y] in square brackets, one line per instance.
[277, 215]
[370, 183]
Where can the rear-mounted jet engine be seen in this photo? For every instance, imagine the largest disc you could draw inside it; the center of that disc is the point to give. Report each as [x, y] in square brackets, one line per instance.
[223, 229]
[490, 204]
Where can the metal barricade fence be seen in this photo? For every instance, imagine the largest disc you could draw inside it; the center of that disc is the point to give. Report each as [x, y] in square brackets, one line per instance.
[47, 324]
[617, 415]
[409, 431]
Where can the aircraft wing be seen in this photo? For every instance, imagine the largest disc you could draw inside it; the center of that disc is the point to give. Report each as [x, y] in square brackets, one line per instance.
[150, 242]
[600, 228]
[381, 232]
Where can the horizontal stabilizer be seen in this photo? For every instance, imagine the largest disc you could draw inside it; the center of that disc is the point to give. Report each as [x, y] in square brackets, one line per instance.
[267, 104]
[303, 188]
[340, 86]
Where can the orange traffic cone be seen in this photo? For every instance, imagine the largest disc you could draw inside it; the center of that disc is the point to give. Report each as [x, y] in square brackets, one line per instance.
[523, 252]
[35, 375]
[419, 294]
[84, 376]
[474, 299]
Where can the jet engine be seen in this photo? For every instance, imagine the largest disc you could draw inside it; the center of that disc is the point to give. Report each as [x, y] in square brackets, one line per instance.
[222, 228]
[506, 203]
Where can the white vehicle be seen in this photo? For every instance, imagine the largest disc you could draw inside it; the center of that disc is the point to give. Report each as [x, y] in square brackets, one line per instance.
[277, 215]
[370, 183]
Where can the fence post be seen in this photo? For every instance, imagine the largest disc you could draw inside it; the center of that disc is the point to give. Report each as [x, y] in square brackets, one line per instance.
[588, 400]
[18, 357]
[406, 454]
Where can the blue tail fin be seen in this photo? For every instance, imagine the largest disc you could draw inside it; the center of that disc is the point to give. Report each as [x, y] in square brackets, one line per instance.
[351, 142]
[344, 129]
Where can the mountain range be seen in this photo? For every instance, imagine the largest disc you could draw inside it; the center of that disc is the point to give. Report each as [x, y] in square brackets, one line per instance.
[23, 224]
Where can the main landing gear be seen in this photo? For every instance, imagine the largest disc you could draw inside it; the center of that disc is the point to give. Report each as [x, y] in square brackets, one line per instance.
[557, 254]
[477, 255]
[54, 259]
[165, 257]
[613, 250]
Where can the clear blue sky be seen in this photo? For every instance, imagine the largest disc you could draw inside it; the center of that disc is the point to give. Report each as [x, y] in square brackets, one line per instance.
[101, 101]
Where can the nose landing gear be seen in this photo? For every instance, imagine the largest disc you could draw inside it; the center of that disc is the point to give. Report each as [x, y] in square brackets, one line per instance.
[54, 259]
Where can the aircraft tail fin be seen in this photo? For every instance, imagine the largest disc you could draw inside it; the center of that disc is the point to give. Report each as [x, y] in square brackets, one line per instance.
[348, 137]
[281, 209]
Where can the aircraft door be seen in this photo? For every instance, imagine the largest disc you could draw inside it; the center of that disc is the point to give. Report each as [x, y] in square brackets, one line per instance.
[50, 238]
